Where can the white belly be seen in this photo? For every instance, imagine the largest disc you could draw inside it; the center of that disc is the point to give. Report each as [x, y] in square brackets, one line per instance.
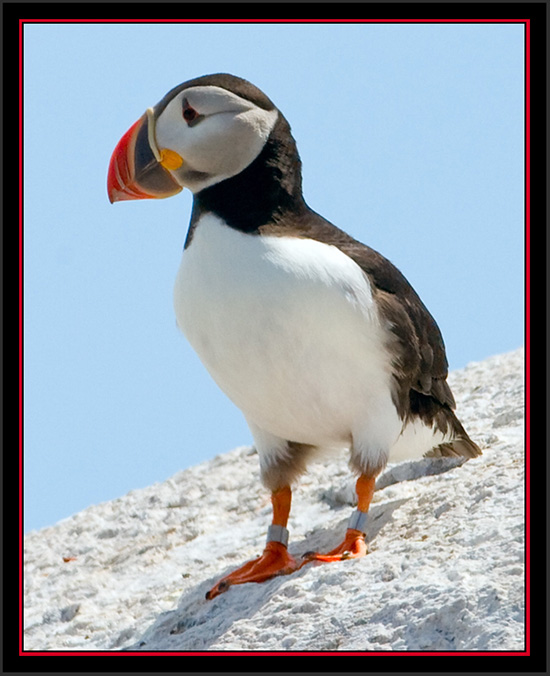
[288, 329]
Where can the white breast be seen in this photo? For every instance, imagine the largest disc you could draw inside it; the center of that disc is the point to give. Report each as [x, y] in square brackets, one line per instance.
[289, 330]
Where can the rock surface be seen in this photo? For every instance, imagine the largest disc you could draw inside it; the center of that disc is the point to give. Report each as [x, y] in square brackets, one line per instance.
[445, 570]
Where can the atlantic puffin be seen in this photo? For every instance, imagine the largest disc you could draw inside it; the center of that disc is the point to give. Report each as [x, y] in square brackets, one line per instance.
[318, 339]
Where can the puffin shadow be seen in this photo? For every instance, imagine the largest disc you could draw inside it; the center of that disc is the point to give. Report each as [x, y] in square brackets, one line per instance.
[416, 469]
[325, 539]
[381, 515]
[344, 494]
[196, 624]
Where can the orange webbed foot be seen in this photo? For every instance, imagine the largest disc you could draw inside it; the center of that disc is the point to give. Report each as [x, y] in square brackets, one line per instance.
[353, 547]
[275, 560]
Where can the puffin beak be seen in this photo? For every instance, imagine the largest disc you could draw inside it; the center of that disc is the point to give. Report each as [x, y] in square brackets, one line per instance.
[137, 169]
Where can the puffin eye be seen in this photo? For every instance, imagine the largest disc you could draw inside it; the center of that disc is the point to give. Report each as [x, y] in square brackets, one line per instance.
[189, 114]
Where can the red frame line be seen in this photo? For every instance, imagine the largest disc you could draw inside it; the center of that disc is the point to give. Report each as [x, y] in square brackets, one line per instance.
[527, 132]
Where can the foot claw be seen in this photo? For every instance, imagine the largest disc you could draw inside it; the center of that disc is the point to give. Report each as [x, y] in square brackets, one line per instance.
[223, 585]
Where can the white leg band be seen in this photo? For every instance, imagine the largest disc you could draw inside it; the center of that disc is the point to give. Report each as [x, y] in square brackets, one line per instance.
[277, 534]
[358, 521]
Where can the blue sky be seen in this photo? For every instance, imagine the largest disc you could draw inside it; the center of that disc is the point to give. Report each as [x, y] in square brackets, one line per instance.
[411, 137]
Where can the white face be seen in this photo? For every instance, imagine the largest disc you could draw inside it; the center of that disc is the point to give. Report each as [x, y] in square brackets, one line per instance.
[214, 132]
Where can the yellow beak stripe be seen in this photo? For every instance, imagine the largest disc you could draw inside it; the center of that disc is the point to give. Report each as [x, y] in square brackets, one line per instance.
[170, 159]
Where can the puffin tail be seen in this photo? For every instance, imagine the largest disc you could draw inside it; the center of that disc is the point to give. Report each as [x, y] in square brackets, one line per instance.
[459, 444]
[432, 429]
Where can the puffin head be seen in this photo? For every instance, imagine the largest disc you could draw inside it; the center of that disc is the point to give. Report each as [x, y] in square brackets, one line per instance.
[202, 132]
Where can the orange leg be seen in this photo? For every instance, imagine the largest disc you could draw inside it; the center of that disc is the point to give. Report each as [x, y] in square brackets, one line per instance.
[354, 545]
[275, 559]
